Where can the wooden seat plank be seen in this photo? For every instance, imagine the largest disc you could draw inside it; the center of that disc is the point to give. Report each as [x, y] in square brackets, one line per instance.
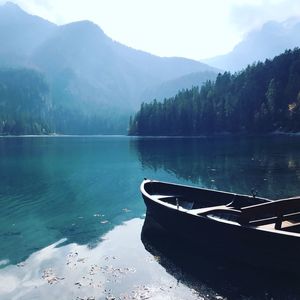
[275, 211]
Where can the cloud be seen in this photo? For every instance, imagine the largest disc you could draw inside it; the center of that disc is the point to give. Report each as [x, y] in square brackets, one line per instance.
[246, 17]
[42, 3]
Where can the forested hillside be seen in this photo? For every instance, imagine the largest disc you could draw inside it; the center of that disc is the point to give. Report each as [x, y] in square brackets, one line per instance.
[264, 97]
[24, 102]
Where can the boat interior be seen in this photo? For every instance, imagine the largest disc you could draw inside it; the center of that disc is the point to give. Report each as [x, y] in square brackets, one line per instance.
[262, 213]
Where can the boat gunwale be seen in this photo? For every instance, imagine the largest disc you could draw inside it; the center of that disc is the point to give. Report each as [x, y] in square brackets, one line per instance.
[145, 181]
[219, 220]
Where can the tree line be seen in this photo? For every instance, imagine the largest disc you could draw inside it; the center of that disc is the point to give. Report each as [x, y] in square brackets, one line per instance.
[27, 107]
[24, 102]
[262, 98]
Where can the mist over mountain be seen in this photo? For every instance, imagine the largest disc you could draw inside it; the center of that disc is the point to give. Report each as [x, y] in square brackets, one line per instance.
[170, 88]
[20, 34]
[265, 43]
[90, 76]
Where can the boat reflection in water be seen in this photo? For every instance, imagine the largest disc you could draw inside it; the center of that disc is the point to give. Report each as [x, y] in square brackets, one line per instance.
[197, 268]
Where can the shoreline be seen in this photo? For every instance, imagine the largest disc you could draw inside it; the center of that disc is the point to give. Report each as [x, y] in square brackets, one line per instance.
[275, 133]
[61, 135]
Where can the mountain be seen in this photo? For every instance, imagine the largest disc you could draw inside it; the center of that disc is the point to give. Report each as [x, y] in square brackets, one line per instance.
[114, 74]
[20, 34]
[265, 43]
[263, 98]
[170, 88]
[89, 74]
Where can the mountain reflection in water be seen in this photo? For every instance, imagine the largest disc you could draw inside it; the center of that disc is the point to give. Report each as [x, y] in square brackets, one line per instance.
[117, 268]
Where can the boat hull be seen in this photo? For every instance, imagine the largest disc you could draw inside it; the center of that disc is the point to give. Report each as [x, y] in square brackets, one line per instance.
[233, 242]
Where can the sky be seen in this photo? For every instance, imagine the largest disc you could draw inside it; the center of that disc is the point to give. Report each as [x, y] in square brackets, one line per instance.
[196, 29]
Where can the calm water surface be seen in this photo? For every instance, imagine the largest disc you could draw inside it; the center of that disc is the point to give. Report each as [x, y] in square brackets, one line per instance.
[71, 214]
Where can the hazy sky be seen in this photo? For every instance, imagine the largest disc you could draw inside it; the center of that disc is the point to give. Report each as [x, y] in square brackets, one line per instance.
[190, 28]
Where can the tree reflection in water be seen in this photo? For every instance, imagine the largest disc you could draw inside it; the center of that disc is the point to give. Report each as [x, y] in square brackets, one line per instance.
[268, 164]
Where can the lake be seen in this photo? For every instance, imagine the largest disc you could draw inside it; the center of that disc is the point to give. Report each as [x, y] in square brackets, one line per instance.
[71, 215]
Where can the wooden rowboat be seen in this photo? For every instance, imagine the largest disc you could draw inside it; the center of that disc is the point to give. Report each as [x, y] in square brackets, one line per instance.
[252, 229]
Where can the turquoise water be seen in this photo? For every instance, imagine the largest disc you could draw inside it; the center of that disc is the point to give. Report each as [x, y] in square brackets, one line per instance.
[53, 188]
[82, 191]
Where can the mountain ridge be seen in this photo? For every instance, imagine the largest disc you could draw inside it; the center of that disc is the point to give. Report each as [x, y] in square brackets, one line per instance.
[89, 74]
[260, 44]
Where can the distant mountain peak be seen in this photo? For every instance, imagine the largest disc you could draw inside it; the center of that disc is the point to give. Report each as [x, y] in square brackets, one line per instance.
[11, 6]
[291, 22]
[84, 26]
[270, 39]
[10, 12]
[86, 23]
[271, 26]
[20, 34]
